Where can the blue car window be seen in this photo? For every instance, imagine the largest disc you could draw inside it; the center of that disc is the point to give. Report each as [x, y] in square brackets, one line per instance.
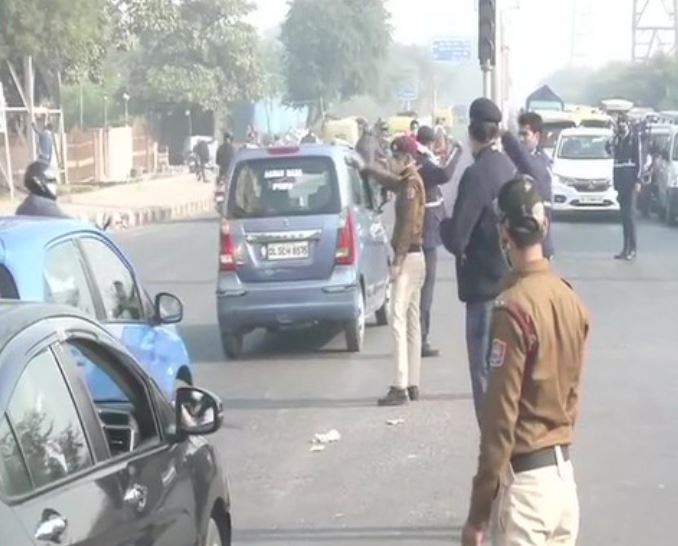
[101, 386]
[14, 477]
[65, 281]
[118, 290]
[48, 428]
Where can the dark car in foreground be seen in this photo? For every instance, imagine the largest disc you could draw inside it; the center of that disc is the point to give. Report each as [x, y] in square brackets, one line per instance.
[76, 469]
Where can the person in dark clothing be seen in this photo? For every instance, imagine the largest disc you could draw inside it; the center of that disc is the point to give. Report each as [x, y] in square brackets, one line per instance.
[225, 154]
[202, 154]
[529, 159]
[414, 128]
[625, 147]
[42, 186]
[472, 236]
[434, 177]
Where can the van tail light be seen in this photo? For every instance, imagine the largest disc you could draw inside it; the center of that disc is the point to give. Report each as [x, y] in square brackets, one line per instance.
[346, 240]
[227, 259]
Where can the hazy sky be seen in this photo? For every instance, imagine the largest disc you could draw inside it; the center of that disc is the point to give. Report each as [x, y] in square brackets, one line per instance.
[539, 32]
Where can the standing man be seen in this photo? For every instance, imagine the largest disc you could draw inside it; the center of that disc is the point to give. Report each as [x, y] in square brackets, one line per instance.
[625, 147]
[471, 235]
[225, 154]
[530, 159]
[414, 128]
[539, 330]
[434, 177]
[409, 267]
[45, 142]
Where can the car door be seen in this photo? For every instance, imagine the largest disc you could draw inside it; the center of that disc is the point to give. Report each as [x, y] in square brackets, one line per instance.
[366, 236]
[155, 479]
[159, 349]
[376, 240]
[52, 479]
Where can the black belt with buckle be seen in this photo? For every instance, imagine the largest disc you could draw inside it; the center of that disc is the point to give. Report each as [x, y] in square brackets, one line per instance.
[414, 249]
[538, 459]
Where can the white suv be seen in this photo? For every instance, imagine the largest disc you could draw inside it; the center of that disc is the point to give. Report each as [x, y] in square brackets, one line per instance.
[583, 172]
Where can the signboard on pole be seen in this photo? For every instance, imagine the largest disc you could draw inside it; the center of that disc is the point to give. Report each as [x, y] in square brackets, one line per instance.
[408, 91]
[456, 50]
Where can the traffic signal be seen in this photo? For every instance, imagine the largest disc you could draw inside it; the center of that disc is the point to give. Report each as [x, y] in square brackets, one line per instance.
[487, 31]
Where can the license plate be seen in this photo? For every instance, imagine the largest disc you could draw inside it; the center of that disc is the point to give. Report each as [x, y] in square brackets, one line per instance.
[287, 251]
[592, 199]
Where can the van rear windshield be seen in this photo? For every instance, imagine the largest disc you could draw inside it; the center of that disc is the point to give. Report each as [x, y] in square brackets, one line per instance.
[295, 186]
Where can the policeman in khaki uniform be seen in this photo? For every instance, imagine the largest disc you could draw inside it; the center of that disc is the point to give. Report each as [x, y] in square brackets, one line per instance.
[524, 493]
[409, 266]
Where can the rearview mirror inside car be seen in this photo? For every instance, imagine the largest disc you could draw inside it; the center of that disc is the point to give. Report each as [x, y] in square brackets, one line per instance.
[168, 309]
[198, 412]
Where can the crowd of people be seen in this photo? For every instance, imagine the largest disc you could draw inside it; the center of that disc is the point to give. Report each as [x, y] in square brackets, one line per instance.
[525, 327]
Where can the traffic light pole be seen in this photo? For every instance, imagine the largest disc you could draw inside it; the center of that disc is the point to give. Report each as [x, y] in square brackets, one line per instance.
[487, 80]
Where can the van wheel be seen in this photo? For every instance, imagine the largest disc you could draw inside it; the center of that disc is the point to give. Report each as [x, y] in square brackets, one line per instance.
[354, 330]
[232, 344]
[384, 312]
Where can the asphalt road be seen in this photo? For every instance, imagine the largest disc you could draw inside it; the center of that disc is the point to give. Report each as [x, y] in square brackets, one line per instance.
[409, 484]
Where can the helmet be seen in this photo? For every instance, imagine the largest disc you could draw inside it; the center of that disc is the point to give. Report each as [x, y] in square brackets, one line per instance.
[40, 180]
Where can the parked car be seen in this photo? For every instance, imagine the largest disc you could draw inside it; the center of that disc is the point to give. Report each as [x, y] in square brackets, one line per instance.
[583, 172]
[302, 241]
[77, 469]
[69, 262]
[667, 185]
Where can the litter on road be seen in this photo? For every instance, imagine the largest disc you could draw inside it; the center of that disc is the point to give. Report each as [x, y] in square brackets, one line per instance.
[327, 437]
[395, 422]
[316, 448]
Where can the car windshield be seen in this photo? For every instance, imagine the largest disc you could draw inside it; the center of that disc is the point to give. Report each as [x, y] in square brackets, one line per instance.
[551, 132]
[284, 187]
[658, 142]
[584, 147]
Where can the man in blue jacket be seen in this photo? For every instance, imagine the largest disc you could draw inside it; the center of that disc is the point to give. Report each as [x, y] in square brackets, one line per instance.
[531, 160]
[434, 177]
[472, 236]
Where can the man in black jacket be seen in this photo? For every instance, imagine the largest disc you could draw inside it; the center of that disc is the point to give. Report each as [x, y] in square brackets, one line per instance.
[434, 177]
[42, 186]
[225, 154]
[471, 235]
[530, 159]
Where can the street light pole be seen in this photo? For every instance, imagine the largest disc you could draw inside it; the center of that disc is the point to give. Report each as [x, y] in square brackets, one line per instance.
[125, 97]
[106, 111]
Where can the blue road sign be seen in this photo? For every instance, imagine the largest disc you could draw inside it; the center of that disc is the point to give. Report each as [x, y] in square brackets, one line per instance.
[452, 51]
[408, 91]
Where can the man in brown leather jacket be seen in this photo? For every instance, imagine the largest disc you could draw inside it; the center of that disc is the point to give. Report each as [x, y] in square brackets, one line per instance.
[409, 267]
[539, 330]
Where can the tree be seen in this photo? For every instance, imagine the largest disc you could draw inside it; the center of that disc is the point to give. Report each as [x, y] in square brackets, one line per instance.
[333, 50]
[199, 52]
[66, 36]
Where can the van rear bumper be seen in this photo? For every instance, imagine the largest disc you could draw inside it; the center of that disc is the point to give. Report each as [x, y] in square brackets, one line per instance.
[243, 306]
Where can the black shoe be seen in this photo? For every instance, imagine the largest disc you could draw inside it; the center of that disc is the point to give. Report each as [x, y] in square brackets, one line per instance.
[395, 397]
[429, 352]
[413, 393]
[630, 256]
[622, 255]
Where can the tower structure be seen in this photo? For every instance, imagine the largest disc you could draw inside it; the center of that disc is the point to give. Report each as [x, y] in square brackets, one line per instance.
[655, 28]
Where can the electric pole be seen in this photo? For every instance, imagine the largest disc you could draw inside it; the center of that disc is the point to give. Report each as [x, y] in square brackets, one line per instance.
[654, 28]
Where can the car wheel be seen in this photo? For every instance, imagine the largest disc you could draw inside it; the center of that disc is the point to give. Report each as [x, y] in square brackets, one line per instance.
[213, 536]
[354, 330]
[384, 312]
[232, 344]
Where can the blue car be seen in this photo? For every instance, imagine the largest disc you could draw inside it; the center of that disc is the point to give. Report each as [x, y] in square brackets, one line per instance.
[302, 241]
[72, 263]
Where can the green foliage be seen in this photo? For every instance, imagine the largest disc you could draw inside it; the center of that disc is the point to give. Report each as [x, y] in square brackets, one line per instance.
[193, 52]
[334, 50]
[653, 83]
[67, 35]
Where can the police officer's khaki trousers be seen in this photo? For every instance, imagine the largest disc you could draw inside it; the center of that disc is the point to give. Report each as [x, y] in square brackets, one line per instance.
[406, 320]
[537, 508]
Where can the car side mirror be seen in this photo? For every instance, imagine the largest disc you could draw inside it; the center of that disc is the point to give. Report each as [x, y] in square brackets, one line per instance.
[168, 309]
[198, 412]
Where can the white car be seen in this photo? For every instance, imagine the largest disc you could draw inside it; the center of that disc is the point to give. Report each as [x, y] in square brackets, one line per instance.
[583, 172]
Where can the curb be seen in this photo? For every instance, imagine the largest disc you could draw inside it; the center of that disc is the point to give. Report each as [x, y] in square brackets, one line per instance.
[122, 219]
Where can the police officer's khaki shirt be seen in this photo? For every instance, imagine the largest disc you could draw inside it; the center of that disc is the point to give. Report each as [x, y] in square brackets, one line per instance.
[539, 329]
[410, 207]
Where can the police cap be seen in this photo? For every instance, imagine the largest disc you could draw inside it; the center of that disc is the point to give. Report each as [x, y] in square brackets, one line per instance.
[484, 110]
[519, 206]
